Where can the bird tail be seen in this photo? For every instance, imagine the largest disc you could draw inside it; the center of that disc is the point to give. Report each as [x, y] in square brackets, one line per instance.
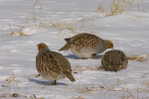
[65, 47]
[69, 76]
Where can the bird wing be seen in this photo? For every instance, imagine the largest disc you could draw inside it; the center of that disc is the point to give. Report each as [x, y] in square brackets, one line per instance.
[63, 63]
[47, 62]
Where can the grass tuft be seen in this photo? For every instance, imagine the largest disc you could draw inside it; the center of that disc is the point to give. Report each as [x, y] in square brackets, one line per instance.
[118, 7]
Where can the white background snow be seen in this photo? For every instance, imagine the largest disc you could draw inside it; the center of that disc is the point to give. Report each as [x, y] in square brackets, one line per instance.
[51, 21]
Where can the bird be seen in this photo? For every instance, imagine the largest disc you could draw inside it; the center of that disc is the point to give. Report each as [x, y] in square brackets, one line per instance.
[86, 45]
[52, 65]
[114, 60]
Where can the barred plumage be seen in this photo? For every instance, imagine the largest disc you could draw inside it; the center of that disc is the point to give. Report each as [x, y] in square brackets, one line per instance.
[85, 45]
[52, 65]
[114, 60]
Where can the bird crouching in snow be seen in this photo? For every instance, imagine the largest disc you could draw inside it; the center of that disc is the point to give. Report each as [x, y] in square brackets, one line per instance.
[114, 60]
[85, 45]
[52, 65]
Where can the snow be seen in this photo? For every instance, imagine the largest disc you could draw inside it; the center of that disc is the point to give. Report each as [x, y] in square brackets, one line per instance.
[51, 21]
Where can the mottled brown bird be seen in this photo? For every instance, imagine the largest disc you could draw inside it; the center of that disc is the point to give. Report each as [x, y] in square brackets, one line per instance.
[52, 65]
[114, 60]
[85, 45]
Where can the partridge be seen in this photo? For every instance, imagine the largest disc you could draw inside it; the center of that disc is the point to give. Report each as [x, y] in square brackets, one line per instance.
[85, 45]
[114, 60]
[52, 65]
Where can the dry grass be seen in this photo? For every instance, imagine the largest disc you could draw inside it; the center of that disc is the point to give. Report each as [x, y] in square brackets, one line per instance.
[22, 30]
[140, 58]
[18, 33]
[127, 94]
[10, 79]
[78, 97]
[60, 25]
[35, 97]
[128, 97]
[12, 96]
[131, 95]
[18, 96]
[78, 69]
[90, 90]
[63, 26]
[117, 7]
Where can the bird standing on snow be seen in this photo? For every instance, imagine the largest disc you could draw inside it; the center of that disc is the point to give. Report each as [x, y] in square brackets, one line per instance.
[52, 65]
[85, 45]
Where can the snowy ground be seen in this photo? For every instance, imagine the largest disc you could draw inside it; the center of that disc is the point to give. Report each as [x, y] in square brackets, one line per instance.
[51, 21]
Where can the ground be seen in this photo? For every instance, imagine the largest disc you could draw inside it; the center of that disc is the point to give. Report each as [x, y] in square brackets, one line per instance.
[25, 23]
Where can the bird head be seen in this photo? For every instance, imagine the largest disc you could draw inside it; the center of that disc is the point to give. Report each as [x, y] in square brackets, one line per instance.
[67, 39]
[42, 46]
[109, 44]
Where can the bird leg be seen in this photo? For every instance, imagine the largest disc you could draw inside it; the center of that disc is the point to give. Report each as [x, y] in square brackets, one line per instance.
[83, 58]
[37, 75]
[94, 55]
[54, 82]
